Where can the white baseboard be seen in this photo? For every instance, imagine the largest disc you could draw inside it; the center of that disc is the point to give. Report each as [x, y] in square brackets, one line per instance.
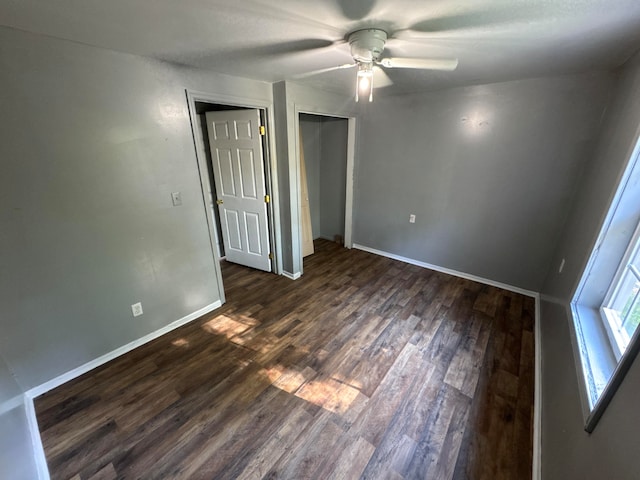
[36, 442]
[537, 399]
[291, 276]
[82, 369]
[455, 273]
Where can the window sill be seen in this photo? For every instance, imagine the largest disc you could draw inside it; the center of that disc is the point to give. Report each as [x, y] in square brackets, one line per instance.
[596, 354]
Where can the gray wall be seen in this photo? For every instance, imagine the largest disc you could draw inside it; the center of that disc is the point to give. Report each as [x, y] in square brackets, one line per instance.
[9, 388]
[611, 451]
[16, 458]
[489, 171]
[325, 148]
[93, 142]
[597, 184]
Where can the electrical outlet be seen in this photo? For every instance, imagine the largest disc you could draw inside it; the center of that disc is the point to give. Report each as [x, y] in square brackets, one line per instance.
[561, 266]
[136, 309]
[176, 198]
[412, 218]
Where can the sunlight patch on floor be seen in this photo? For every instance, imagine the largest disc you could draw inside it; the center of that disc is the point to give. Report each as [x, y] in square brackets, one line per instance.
[258, 342]
[224, 325]
[330, 394]
[333, 394]
[348, 381]
[181, 342]
[285, 379]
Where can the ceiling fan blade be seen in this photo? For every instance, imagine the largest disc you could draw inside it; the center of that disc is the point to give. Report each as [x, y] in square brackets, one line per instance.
[287, 14]
[422, 63]
[356, 10]
[285, 48]
[476, 18]
[380, 78]
[322, 70]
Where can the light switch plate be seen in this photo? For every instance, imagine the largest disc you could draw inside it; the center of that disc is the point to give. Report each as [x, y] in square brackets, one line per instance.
[176, 198]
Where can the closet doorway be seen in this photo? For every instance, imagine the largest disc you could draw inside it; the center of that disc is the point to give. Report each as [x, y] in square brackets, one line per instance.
[323, 157]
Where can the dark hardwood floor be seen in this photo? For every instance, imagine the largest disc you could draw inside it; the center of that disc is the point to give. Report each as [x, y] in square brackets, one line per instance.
[364, 368]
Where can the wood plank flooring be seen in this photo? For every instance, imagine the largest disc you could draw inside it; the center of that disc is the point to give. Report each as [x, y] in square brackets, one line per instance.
[364, 368]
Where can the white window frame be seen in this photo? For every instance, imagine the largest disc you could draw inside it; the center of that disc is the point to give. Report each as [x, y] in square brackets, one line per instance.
[618, 336]
[601, 359]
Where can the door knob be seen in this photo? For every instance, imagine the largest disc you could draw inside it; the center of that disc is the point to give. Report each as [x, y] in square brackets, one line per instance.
[219, 202]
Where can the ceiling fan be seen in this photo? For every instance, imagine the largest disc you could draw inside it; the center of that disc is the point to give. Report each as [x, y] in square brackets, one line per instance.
[367, 46]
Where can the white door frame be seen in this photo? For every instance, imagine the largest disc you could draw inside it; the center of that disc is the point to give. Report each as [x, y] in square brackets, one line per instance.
[270, 175]
[351, 153]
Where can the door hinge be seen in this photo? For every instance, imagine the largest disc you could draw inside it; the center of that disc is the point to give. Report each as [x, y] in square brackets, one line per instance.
[263, 130]
[271, 256]
[267, 199]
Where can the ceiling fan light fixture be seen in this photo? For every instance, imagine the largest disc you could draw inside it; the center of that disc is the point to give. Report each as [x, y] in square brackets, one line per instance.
[364, 81]
[367, 44]
[366, 47]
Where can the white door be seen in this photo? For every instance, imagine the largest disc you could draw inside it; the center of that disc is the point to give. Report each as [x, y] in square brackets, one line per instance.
[238, 171]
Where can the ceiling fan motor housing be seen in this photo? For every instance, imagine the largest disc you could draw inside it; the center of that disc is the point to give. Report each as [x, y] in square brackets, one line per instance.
[367, 45]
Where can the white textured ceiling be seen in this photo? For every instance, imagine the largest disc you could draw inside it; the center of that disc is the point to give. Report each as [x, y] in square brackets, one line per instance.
[494, 40]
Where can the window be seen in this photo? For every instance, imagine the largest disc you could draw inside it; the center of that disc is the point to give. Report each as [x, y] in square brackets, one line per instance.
[606, 305]
[621, 308]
